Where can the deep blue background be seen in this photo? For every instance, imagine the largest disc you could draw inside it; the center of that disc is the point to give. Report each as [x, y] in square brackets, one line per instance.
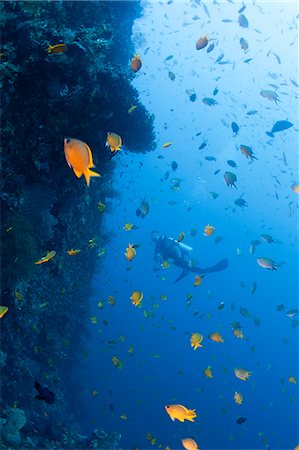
[147, 383]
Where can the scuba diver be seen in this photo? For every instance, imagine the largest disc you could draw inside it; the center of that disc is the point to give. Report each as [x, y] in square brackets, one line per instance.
[169, 248]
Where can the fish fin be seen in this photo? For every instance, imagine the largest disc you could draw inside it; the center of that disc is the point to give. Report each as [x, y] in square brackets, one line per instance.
[37, 385]
[270, 134]
[90, 173]
[39, 397]
[183, 275]
[90, 156]
[77, 173]
[172, 418]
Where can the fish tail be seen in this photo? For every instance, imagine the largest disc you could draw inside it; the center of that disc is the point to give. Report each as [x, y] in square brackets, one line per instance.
[90, 173]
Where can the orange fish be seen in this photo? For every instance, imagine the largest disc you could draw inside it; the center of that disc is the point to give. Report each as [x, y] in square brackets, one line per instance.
[202, 42]
[73, 252]
[111, 300]
[238, 333]
[189, 444]
[242, 374]
[208, 372]
[208, 230]
[196, 340]
[292, 380]
[114, 142]
[198, 280]
[180, 413]
[46, 258]
[166, 144]
[247, 151]
[136, 298]
[130, 252]
[181, 236]
[3, 311]
[216, 337]
[79, 157]
[238, 397]
[58, 48]
[136, 63]
[295, 188]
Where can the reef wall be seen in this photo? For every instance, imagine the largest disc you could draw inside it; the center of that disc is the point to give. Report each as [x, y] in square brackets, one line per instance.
[83, 92]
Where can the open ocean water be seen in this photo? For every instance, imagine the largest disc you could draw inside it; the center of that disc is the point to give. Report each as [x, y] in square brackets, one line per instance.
[152, 342]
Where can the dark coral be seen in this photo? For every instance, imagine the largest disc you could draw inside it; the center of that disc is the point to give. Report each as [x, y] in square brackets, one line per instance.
[82, 93]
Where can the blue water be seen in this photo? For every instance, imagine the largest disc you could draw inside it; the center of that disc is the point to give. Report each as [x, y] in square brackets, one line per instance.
[163, 368]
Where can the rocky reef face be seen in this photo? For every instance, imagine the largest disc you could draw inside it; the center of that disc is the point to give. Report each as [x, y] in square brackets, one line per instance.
[82, 92]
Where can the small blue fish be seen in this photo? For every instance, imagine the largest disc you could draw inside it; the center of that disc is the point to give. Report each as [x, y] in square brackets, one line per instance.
[241, 420]
[242, 9]
[215, 91]
[247, 60]
[226, 20]
[235, 128]
[203, 145]
[209, 101]
[220, 57]
[210, 47]
[168, 58]
[244, 45]
[44, 393]
[243, 22]
[232, 163]
[210, 158]
[281, 125]
[206, 10]
[192, 97]
[277, 58]
[294, 83]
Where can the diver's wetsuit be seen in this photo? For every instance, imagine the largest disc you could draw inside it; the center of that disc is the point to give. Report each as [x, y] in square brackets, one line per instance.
[170, 248]
[180, 253]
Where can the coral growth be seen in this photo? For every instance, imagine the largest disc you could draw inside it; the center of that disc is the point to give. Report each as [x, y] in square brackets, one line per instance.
[11, 426]
[82, 92]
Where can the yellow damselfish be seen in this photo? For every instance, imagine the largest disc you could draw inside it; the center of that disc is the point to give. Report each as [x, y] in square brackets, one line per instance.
[46, 258]
[180, 413]
[79, 157]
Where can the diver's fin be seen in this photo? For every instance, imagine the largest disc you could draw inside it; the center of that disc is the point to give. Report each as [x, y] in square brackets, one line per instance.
[221, 265]
[269, 133]
[183, 275]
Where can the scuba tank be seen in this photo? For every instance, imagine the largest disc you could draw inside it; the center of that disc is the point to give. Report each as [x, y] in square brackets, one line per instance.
[184, 247]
